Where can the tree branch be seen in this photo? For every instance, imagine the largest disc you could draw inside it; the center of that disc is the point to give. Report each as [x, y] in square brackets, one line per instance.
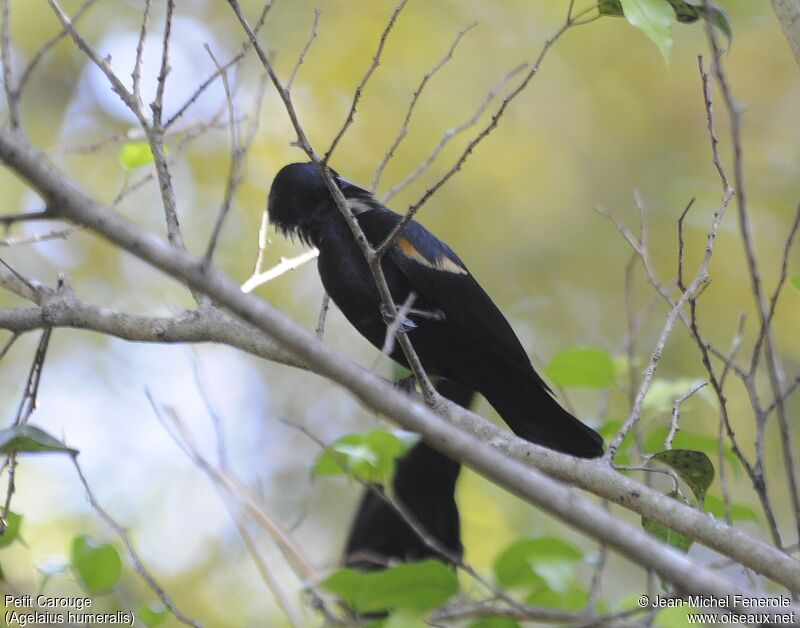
[470, 448]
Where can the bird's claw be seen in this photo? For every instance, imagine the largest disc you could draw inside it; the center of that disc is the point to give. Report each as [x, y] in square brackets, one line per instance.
[405, 326]
[406, 384]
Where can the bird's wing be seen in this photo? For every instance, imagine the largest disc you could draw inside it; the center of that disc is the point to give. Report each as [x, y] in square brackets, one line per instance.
[437, 273]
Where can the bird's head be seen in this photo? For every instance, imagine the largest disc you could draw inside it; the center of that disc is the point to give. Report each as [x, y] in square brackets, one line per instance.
[300, 201]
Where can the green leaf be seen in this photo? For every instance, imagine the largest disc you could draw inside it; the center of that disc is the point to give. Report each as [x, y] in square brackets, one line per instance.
[30, 439]
[795, 281]
[152, 614]
[686, 439]
[739, 512]
[97, 565]
[685, 12]
[421, 586]
[694, 468]
[582, 367]
[135, 155]
[574, 598]
[495, 622]
[543, 562]
[369, 457]
[690, 12]
[11, 533]
[654, 18]
[405, 619]
[660, 531]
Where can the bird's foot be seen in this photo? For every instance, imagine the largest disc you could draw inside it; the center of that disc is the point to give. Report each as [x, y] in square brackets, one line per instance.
[405, 326]
[434, 315]
[406, 384]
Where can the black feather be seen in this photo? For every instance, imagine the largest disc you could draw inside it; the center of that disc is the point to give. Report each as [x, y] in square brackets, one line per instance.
[473, 345]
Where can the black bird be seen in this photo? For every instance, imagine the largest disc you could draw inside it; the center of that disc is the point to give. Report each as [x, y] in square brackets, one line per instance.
[462, 335]
[425, 483]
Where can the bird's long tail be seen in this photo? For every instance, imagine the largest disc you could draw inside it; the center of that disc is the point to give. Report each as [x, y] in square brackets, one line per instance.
[425, 482]
[533, 414]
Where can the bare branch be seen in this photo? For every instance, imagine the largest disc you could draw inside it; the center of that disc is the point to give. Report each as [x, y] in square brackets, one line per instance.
[48, 45]
[773, 364]
[285, 95]
[232, 490]
[302, 57]
[76, 205]
[235, 166]
[394, 328]
[138, 564]
[323, 315]
[158, 103]
[102, 64]
[449, 134]
[12, 96]
[700, 279]
[136, 75]
[205, 325]
[6, 221]
[9, 343]
[23, 287]
[61, 234]
[376, 59]
[286, 264]
[676, 406]
[412, 105]
[416, 526]
[472, 144]
[773, 302]
[27, 405]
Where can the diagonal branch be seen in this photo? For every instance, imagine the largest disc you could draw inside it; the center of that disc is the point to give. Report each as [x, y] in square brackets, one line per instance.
[376, 59]
[515, 472]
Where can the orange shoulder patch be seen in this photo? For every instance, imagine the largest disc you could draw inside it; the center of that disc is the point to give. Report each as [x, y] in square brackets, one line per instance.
[444, 263]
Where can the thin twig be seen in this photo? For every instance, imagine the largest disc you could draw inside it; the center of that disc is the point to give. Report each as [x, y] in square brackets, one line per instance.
[774, 367]
[773, 302]
[450, 133]
[472, 144]
[102, 64]
[235, 166]
[700, 279]
[231, 486]
[155, 136]
[61, 234]
[373, 261]
[376, 59]
[394, 328]
[412, 105]
[302, 57]
[284, 266]
[138, 564]
[48, 45]
[27, 404]
[9, 343]
[411, 520]
[676, 406]
[12, 96]
[263, 239]
[136, 75]
[10, 219]
[323, 315]
[222, 454]
[736, 345]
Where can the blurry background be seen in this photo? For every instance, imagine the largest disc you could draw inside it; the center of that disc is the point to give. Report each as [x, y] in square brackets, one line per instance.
[604, 116]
